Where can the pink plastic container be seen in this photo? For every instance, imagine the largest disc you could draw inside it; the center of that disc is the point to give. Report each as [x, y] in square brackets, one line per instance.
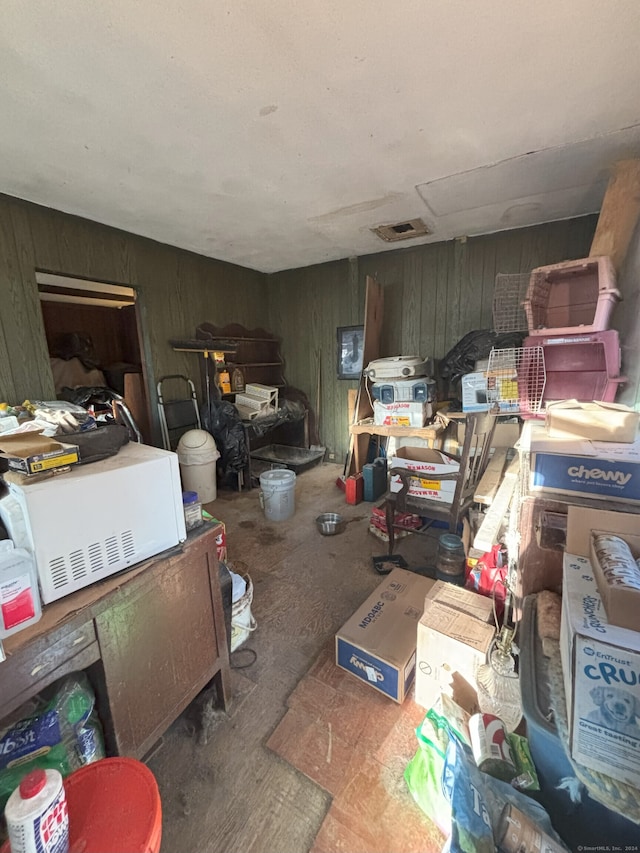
[571, 297]
[582, 367]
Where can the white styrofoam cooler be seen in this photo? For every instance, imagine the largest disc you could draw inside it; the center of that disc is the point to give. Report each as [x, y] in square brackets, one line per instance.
[397, 367]
[415, 390]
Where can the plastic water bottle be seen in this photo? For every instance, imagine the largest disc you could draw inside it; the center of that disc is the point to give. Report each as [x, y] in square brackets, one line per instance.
[36, 814]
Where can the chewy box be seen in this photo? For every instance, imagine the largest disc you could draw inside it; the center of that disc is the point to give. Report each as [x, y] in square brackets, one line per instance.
[601, 668]
[598, 469]
[428, 466]
[378, 643]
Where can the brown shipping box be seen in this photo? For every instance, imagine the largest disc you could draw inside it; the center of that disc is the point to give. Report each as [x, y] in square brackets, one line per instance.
[621, 603]
[451, 646]
[594, 421]
[30, 453]
[378, 643]
[464, 600]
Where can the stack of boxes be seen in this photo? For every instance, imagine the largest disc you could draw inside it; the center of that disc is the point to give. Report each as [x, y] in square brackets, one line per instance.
[403, 394]
[256, 401]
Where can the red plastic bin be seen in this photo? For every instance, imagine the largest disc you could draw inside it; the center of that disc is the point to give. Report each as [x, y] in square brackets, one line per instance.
[580, 367]
[571, 297]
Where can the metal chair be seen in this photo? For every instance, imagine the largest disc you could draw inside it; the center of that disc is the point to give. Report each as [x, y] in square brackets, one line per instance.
[472, 463]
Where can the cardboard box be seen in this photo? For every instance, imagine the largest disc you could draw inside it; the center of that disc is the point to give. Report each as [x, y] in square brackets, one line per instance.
[428, 465]
[505, 434]
[31, 453]
[576, 466]
[600, 664]
[378, 643]
[621, 603]
[593, 421]
[481, 393]
[401, 413]
[452, 644]
[463, 600]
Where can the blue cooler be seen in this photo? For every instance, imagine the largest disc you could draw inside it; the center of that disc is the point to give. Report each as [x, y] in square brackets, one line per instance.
[587, 824]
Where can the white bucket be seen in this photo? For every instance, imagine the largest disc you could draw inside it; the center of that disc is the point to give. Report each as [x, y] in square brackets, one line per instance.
[242, 621]
[278, 495]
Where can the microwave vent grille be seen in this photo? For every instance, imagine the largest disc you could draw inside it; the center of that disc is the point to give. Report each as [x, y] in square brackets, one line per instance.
[128, 544]
[78, 564]
[58, 571]
[94, 559]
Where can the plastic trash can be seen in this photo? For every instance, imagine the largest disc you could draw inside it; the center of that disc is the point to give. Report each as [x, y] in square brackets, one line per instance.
[197, 455]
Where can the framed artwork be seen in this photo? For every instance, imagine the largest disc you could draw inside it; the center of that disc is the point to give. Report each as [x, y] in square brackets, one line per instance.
[350, 351]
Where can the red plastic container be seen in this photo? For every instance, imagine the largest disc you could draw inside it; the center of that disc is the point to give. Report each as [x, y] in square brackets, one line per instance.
[114, 805]
[580, 367]
[571, 297]
[354, 489]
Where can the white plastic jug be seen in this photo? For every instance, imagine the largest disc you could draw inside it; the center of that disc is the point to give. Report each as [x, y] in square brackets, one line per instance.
[19, 596]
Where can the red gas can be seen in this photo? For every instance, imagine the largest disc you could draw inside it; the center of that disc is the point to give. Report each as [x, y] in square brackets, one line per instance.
[354, 488]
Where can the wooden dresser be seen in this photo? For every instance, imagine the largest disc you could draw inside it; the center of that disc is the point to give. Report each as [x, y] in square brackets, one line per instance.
[150, 639]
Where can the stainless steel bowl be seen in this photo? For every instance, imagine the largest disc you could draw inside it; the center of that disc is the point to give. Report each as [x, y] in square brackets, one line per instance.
[330, 523]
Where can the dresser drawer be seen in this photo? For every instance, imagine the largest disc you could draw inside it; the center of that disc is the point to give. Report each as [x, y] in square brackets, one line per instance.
[35, 665]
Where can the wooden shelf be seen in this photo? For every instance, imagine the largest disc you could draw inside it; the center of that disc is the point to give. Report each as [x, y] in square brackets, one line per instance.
[429, 432]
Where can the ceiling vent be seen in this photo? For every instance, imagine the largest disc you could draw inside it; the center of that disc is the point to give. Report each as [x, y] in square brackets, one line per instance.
[401, 230]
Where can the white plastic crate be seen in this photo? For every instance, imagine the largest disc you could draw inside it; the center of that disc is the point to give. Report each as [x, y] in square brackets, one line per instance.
[252, 414]
[248, 401]
[264, 392]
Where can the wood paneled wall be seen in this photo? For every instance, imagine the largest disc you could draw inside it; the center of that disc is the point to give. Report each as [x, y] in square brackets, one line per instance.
[433, 295]
[626, 319]
[113, 331]
[177, 290]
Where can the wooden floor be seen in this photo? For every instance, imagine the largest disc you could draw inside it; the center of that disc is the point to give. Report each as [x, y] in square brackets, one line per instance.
[223, 789]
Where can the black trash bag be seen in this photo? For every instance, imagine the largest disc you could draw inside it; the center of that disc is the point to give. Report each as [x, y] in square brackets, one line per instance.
[473, 347]
[222, 420]
[288, 412]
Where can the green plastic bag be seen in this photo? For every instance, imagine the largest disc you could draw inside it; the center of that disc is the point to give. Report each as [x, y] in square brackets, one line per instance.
[423, 774]
[60, 731]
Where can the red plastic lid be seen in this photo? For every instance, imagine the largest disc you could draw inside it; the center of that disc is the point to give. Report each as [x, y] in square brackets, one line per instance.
[114, 805]
[33, 783]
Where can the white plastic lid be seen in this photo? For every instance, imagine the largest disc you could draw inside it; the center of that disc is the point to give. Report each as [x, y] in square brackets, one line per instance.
[197, 447]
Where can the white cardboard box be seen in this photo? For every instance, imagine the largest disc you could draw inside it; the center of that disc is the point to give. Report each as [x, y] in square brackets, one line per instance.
[477, 396]
[378, 643]
[597, 469]
[428, 465]
[401, 413]
[451, 646]
[601, 668]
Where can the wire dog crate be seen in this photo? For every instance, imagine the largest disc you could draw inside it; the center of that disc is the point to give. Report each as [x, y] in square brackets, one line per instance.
[509, 295]
[516, 380]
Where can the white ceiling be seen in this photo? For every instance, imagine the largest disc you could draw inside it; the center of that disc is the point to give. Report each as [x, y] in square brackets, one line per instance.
[275, 133]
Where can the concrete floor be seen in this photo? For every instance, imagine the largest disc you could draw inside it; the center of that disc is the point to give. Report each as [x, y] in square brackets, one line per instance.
[223, 790]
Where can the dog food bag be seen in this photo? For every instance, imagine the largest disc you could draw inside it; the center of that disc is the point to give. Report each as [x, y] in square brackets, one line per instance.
[616, 561]
[477, 804]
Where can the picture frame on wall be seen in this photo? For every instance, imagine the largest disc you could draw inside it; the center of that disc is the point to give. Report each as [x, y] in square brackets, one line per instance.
[350, 351]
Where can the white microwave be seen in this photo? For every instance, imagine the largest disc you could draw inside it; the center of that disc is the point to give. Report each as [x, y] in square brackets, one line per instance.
[97, 519]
